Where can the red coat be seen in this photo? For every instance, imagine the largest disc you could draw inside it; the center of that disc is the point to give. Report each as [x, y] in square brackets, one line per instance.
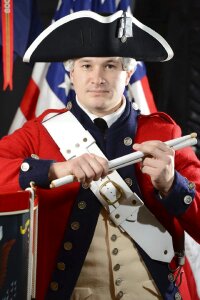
[55, 205]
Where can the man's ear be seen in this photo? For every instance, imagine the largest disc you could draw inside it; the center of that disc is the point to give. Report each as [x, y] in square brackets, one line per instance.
[128, 76]
[71, 76]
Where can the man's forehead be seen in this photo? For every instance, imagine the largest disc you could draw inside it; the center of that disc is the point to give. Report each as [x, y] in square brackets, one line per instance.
[99, 59]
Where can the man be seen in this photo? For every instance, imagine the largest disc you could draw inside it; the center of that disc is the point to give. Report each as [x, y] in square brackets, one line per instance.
[82, 254]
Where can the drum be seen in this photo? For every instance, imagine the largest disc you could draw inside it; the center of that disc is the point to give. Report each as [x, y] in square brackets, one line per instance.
[18, 244]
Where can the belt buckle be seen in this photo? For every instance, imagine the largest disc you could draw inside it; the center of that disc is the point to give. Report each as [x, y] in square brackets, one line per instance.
[120, 192]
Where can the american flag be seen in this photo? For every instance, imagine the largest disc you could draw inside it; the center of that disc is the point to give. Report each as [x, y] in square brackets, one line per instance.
[49, 87]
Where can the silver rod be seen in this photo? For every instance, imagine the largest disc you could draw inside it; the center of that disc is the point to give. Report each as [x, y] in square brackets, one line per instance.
[132, 158]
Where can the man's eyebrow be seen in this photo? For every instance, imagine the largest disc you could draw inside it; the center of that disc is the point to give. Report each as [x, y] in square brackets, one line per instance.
[84, 60]
[111, 61]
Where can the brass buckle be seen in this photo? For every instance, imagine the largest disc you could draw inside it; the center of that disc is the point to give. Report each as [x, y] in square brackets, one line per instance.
[120, 192]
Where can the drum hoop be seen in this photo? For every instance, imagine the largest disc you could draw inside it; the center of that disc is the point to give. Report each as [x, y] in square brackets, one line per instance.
[17, 212]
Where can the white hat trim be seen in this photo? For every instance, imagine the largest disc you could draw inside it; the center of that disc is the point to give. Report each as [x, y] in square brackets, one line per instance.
[101, 19]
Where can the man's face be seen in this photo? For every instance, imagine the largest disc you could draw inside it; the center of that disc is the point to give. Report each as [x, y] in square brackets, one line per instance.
[99, 83]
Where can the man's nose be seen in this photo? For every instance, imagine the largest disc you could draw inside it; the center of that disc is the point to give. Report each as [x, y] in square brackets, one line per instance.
[98, 76]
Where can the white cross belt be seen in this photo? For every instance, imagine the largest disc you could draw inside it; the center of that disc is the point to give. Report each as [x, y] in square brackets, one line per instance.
[124, 207]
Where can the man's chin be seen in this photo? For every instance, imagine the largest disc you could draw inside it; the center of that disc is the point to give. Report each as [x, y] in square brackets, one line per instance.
[98, 101]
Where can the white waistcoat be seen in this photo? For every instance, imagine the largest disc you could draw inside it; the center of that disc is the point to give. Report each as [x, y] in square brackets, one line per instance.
[113, 269]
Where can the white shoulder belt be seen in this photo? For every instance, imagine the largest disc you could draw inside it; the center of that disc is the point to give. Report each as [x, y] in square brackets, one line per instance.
[124, 207]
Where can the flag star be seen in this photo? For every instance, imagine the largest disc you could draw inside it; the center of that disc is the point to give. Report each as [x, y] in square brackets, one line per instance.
[117, 3]
[59, 5]
[66, 84]
[102, 1]
[129, 10]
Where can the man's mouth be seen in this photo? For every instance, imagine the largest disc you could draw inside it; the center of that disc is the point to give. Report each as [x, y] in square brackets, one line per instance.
[98, 91]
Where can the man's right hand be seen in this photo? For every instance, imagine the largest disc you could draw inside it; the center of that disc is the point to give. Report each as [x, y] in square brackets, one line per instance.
[85, 168]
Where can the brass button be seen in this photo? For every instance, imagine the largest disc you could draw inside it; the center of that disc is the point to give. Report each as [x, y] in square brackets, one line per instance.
[123, 39]
[61, 266]
[116, 267]
[128, 181]
[54, 286]
[69, 105]
[171, 277]
[187, 199]
[67, 246]
[85, 186]
[191, 185]
[118, 281]
[128, 141]
[113, 237]
[115, 251]
[177, 296]
[75, 225]
[25, 167]
[120, 295]
[35, 156]
[111, 223]
[134, 202]
[82, 205]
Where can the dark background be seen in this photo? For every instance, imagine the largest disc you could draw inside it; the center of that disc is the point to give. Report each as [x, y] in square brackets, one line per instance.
[175, 84]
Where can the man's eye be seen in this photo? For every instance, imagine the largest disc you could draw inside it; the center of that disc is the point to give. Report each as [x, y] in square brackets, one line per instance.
[110, 66]
[86, 66]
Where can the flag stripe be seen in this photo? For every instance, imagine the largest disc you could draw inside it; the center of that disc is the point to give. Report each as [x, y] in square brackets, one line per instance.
[148, 94]
[30, 100]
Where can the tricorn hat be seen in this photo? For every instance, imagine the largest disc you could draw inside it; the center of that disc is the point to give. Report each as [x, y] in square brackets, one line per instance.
[88, 34]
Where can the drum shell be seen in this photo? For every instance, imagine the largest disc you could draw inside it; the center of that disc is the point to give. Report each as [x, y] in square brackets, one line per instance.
[14, 244]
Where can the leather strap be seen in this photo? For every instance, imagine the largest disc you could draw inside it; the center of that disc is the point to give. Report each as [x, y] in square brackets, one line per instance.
[124, 207]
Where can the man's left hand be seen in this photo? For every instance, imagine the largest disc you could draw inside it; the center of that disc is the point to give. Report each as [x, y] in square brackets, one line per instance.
[158, 163]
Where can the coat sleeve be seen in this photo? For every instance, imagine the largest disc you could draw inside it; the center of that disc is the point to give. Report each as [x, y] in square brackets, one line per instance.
[182, 206]
[188, 166]
[27, 154]
[19, 158]
[14, 149]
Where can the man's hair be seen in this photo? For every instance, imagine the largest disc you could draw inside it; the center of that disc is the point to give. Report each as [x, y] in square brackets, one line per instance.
[128, 64]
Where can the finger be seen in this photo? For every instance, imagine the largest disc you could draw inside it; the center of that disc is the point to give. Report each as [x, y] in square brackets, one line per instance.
[151, 171]
[161, 160]
[104, 165]
[92, 166]
[79, 174]
[154, 148]
[97, 168]
[81, 169]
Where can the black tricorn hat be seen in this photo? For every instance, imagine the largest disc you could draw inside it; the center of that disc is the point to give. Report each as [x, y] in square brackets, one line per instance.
[88, 34]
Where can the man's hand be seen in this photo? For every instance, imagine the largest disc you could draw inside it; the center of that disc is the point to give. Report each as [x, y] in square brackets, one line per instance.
[85, 168]
[158, 163]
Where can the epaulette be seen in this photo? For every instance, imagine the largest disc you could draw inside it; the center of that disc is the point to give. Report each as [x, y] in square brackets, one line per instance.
[159, 116]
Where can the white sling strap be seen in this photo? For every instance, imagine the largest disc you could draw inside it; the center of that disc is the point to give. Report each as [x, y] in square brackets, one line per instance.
[124, 207]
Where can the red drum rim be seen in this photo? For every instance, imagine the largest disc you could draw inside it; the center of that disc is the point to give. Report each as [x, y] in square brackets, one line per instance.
[12, 203]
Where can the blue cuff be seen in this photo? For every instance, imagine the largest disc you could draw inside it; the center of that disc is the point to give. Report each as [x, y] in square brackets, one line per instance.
[35, 170]
[180, 197]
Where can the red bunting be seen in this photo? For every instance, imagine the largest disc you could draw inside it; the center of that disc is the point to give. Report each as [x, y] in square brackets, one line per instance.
[7, 42]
